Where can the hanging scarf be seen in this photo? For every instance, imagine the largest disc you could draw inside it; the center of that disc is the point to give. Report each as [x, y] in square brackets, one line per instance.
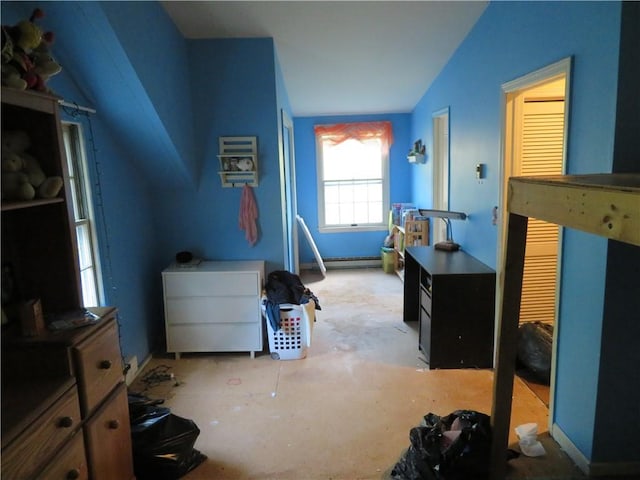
[248, 215]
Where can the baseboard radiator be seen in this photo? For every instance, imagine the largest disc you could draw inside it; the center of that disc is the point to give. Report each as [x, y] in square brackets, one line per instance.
[345, 262]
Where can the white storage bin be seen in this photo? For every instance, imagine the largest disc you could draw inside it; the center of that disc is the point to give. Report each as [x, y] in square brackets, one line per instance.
[293, 338]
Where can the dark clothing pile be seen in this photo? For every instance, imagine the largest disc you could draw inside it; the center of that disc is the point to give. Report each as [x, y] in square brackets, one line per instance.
[285, 287]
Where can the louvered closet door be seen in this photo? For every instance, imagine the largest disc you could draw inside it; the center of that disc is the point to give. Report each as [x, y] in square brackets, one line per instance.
[541, 150]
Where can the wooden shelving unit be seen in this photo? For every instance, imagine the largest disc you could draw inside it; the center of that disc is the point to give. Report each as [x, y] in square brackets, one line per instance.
[64, 404]
[414, 233]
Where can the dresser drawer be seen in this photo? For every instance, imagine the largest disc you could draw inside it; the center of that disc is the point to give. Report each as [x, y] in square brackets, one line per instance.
[108, 435]
[70, 463]
[207, 284]
[212, 310]
[99, 366]
[242, 337]
[42, 438]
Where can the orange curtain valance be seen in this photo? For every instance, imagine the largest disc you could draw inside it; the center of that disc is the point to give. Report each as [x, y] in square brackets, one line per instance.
[339, 132]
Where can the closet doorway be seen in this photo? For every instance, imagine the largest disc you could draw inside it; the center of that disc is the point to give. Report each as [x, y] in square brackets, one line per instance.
[535, 134]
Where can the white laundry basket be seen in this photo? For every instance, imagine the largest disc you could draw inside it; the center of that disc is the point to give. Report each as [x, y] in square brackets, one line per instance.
[293, 338]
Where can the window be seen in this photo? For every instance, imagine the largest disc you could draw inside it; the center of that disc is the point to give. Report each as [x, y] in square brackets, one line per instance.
[353, 176]
[83, 213]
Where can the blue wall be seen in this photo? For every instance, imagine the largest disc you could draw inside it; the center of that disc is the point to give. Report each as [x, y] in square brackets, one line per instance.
[362, 244]
[122, 200]
[510, 40]
[234, 94]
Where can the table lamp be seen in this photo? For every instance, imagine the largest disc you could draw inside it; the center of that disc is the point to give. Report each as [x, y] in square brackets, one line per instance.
[446, 216]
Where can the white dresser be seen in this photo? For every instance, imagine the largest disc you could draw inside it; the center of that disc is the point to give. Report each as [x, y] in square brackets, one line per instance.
[213, 307]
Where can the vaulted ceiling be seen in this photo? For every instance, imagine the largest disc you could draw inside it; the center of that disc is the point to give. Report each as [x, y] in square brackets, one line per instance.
[343, 57]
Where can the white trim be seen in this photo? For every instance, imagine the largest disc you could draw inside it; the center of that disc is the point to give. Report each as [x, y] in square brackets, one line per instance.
[568, 446]
[555, 70]
[352, 229]
[596, 469]
[441, 164]
[85, 178]
[386, 193]
[289, 197]
[538, 76]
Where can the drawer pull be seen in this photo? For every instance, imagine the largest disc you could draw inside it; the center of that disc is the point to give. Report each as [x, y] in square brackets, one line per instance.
[73, 474]
[105, 364]
[113, 424]
[65, 422]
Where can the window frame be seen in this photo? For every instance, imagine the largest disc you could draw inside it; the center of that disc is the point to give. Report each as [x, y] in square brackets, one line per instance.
[80, 185]
[368, 227]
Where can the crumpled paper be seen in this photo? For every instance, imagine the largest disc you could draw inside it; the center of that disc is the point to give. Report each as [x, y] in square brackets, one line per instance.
[528, 440]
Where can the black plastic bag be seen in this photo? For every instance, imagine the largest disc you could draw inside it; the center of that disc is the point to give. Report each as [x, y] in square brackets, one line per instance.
[162, 442]
[535, 341]
[284, 287]
[434, 455]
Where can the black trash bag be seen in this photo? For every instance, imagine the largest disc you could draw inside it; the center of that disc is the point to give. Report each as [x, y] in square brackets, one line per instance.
[535, 340]
[433, 455]
[162, 442]
[144, 410]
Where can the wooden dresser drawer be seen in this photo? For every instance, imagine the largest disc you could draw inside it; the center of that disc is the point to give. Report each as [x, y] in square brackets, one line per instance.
[70, 463]
[99, 366]
[27, 453]
[108, 434]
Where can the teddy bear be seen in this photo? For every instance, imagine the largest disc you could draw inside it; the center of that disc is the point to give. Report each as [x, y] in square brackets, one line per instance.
[22, 176]
[26, 60]
[43, 65]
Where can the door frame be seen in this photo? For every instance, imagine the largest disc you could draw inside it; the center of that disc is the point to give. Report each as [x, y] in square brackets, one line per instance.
[510, 89]
[441, 163]
[289, 202]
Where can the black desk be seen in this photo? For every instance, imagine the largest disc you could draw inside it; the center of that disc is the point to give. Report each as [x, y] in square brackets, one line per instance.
[452, 295]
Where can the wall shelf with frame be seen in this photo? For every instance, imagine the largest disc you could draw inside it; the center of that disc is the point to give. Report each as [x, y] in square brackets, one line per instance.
[238, 161]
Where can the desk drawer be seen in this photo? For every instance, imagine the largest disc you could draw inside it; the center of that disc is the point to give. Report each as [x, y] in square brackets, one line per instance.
[42, 438]
[70, 463]
[99, 366]
[424, 341]
[425, 300]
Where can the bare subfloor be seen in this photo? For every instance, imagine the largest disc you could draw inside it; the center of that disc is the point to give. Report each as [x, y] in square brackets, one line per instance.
[345, 411]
